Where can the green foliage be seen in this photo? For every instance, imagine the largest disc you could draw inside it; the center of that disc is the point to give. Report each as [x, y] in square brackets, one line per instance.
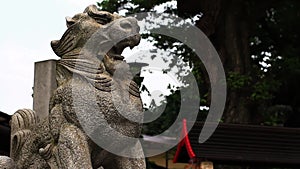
[167, 118]
[111, 5]
[264, 90]
[237, 81]
[276, 115]
[276, 62]
[133, 6]
[274, 71]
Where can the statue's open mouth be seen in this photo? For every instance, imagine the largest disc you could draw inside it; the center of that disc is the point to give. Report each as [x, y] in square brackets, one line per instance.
[116, 51]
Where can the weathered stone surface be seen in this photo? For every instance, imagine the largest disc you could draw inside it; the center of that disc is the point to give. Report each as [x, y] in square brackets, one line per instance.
[6, 162]
[44, 86]
[85, 78]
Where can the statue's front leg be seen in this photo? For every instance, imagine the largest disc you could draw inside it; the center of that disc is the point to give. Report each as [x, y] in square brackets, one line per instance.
[73, 149]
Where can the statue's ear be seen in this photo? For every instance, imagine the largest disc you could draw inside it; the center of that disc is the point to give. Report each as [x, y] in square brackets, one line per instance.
[90, 8]
[69, 21]
[102, 17]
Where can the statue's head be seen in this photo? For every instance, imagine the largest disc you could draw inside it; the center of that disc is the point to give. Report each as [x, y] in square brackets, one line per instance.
[97, 34]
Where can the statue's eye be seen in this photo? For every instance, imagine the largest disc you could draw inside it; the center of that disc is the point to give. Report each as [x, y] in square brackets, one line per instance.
[102, 18]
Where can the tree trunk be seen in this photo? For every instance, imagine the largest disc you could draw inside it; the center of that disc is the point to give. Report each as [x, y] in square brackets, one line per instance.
[226, 23]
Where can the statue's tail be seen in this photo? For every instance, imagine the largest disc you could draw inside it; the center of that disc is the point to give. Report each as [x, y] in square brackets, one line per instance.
[22, 122]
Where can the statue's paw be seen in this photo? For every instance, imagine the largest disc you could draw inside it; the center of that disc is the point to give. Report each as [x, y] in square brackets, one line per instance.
[46, 152]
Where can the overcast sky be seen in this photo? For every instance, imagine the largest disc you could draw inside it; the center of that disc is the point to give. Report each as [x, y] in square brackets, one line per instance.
[27, 27]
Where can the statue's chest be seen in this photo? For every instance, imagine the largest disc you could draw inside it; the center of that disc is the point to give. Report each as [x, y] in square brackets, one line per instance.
[120, 99]
[86, 95]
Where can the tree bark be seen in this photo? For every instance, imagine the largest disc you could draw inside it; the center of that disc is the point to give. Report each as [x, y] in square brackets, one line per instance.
[226, 23]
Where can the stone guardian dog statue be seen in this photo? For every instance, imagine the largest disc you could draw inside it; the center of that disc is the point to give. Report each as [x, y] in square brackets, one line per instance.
[85, 77]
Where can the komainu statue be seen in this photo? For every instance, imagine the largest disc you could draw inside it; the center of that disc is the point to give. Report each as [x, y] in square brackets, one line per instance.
[90, 52]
